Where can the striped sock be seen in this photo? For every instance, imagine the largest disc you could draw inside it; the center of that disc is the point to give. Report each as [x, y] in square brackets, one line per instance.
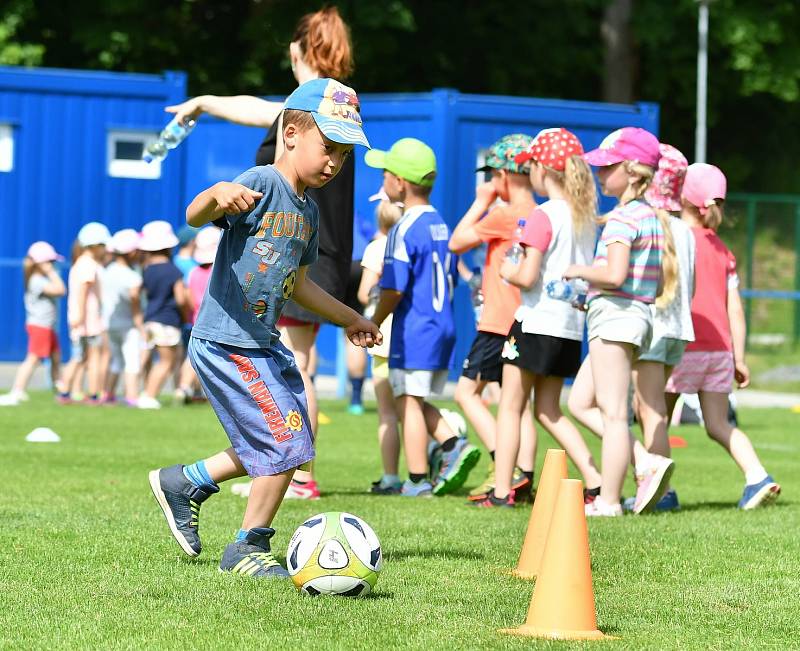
[198, 475]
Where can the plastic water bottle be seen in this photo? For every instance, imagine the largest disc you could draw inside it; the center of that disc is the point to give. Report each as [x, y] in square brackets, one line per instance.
[515, 251]
[170, 137]
[373, 298]
[476, 293]
[572, 291]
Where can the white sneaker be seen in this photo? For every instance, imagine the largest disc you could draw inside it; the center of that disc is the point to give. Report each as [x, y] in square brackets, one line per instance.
[653, 483]
[598, 508]
[22, 396]
[9, 400]
[146, 402]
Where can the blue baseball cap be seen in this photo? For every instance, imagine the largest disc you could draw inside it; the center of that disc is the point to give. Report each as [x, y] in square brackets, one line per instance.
[334, 107]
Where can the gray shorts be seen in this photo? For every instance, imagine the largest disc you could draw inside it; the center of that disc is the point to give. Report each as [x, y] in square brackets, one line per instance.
[664, 350]
[417, 383]
[613, 318]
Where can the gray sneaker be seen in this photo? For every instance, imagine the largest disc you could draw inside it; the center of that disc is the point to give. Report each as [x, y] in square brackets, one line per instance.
[252, 556]
[180, 501]
[455, 467]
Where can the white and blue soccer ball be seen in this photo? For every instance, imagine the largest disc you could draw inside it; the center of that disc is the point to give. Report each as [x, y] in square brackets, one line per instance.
[334, 553]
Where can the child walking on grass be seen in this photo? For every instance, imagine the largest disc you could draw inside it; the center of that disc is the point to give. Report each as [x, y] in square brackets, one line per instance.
[624, 283]
[716, 357]
[543, 346]
[43, 288]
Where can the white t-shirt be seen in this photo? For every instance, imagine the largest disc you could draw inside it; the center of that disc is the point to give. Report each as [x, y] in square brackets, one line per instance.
[549, 229]
[40, 310]
[373, 260]
[675, 320]
[118, 281]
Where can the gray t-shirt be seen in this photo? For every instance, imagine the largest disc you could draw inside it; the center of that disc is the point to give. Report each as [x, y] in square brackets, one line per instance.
[256, 265]
[118, 281]
[40, 310]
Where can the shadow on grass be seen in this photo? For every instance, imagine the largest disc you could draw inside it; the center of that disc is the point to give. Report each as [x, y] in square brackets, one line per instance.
[723, 506]
[448, 553]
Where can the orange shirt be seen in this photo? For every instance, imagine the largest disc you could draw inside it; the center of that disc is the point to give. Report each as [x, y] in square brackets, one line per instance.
[500, 300]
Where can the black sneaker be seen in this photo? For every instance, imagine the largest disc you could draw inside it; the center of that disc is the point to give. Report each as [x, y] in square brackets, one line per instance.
[491, 501]
[253, 556]
[379, 488]
[180, 501]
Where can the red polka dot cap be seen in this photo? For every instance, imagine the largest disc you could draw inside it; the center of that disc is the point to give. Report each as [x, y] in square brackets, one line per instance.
[552, 148]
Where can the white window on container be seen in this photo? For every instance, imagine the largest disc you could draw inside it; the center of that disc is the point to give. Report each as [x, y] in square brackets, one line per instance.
[124, 154]
[6, 148]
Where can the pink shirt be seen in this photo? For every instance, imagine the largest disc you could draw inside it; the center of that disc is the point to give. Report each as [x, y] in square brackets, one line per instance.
[198, 281]
[714, 270]
[85, 271]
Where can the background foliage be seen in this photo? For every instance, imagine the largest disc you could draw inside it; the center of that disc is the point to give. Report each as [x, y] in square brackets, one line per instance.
[516, 47]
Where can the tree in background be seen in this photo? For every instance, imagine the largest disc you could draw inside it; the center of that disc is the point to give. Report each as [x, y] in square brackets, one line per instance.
[621, 50]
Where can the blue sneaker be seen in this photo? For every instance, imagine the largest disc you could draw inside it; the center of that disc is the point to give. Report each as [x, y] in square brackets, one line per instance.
[668, 502]
[253, 556]
[180, 501]
[422, 489]
[761, 494]
[455, 467]
[355, 410]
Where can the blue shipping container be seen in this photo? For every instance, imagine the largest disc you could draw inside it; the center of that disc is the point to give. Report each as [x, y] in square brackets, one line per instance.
[62, 123]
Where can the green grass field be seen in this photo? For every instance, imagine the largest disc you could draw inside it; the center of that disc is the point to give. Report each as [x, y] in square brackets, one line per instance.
[86, 560]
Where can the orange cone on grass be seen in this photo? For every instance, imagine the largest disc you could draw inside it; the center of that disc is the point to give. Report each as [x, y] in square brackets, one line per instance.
[554, 470]
[562, 606]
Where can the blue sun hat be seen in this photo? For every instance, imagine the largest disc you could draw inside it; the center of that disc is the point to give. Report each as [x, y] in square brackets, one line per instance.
[334, 107]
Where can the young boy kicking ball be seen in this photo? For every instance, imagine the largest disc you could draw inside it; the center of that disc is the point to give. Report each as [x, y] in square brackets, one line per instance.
[250, 378]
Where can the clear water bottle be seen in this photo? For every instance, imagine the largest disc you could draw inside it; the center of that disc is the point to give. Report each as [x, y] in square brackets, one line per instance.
[476, 293]
[572, 291]
[373, 298]
[515, 251]
[170, 137]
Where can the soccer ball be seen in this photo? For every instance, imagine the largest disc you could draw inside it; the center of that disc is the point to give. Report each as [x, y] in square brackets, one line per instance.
[334, 553]
[455, 421]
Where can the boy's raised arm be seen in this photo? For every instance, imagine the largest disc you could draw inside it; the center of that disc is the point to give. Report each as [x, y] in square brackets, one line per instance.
[222, 198]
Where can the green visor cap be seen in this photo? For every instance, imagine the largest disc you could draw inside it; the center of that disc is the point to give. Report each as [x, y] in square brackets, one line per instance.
[408, 158]
[502, 153]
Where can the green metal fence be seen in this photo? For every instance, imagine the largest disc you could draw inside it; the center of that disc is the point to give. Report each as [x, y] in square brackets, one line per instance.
[763, 230]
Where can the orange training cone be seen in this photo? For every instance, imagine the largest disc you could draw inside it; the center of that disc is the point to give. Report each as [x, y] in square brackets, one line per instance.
[554, 470]
[562, 606]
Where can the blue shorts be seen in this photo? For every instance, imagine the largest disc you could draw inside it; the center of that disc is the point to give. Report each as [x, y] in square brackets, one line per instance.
[258, 396]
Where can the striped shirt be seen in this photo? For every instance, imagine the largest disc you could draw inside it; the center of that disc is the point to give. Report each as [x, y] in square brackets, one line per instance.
[635, 225]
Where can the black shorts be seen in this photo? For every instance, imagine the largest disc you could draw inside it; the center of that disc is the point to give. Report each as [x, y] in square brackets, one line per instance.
[483, 361]
[542, 354]
[332, 275]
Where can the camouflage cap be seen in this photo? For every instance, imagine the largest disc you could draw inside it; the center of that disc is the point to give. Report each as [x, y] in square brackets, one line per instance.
[502, 154]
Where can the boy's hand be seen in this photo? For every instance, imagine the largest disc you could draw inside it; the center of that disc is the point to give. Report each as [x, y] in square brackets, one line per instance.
[234, 198]
[742, 375]
[485, 194]
[363, 332]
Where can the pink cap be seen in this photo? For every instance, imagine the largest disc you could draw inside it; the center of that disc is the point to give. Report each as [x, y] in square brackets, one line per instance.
[124, 241]
[704, 185]
[628, 143]
[206, 243]
[664, 191]
[43, 252]
[157, 236]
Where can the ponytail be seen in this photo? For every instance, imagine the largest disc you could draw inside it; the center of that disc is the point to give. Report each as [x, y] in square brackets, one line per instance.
[637, 190]
[710, 217]
[581, 192]
[324, 40]
[669, 263]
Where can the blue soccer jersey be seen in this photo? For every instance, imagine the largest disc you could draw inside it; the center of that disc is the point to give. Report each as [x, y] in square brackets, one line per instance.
[419, 264]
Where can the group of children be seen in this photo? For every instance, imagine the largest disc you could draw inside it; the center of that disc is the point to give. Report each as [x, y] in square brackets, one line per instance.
[662, 296]
[128, 302]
